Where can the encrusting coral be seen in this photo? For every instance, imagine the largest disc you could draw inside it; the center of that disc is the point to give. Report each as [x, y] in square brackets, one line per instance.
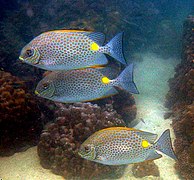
[123, 103]
[180, 101]
[19, 115]
[60, 141]
[147, 168]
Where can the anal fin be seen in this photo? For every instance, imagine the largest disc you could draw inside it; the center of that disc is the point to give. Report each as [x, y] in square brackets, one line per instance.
[111, 92]
[100, 60]
[153, 155]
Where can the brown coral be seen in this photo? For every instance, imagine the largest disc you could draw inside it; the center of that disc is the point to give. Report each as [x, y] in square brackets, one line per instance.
[180, 100]
[123, 103]
[147, 168]
[60, 141]
[19, 115]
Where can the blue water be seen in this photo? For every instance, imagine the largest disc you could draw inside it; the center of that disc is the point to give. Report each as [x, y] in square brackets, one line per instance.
[152, 41]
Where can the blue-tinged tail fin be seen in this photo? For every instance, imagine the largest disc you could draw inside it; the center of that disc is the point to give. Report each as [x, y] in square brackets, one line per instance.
[164, 144]
[125, 80]
[116, 48]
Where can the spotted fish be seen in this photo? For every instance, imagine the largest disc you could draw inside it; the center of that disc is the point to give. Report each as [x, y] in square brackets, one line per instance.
[71, 49]
[83, 85]
[122, 145]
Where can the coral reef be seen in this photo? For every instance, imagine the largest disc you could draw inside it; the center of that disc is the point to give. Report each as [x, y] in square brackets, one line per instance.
[124, 104]
[19, 115]
[180, 101]
[147, 168]
[60, 141]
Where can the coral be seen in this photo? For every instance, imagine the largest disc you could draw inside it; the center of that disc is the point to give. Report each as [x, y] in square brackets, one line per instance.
[60, 141]
[147, 168]
[180, 101]
[183, 125]
[19, 115]
[124, 104]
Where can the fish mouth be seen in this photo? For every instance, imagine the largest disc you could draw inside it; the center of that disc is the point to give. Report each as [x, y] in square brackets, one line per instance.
[80, 154]
[36, 92]
[21, 58]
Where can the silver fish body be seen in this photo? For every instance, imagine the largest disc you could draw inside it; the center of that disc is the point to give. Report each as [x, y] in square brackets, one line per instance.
[82, 85]
[66, 50]
[121, 145]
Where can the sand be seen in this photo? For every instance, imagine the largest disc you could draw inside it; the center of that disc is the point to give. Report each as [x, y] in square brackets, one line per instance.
[151, 77]
[25, 166]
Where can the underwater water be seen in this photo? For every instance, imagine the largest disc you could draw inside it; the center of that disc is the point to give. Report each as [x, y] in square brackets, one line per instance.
[43, 128]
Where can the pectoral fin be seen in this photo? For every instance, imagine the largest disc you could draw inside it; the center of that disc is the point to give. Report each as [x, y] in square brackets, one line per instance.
[100, 158]
[111, 92]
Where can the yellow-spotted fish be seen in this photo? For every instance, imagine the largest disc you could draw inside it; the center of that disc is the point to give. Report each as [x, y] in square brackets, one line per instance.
[71, 49]
[83, 85]
[122, 145]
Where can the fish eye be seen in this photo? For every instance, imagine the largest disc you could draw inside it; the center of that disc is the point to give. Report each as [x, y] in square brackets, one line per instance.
[87, 149]
[45, 85]
[29, 52]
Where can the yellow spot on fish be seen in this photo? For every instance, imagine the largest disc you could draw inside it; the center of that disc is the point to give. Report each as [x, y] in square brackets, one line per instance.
[105, 80]
[36, 92]
[94, 47]
[145, 144]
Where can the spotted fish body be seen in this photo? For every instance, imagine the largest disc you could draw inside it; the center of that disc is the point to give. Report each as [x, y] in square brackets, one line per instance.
[83, 85]
[121, 145]
[70, 49]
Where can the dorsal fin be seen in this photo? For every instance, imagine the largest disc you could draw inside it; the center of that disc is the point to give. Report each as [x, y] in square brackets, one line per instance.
[118, 129]
[150, 137]
[97, 37]
[70, 31]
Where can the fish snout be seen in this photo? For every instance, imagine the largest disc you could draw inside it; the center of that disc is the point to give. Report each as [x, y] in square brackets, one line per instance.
[21, 58]
[36, 92]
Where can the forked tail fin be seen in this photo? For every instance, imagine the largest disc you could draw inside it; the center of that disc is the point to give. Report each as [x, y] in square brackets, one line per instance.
[164, 144]
[125, 80]
[116, 48]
